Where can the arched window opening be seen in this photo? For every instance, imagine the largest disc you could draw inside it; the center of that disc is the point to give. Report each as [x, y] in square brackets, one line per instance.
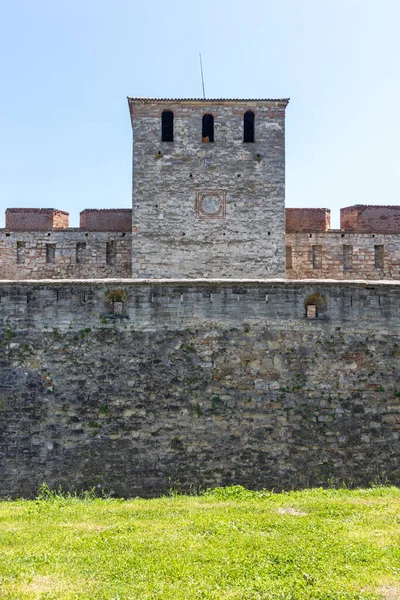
[167, 126]
[248, 126]
[208, 129]
[315, 306]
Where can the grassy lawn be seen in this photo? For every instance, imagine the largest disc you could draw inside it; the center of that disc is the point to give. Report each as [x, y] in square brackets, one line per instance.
[227, 544]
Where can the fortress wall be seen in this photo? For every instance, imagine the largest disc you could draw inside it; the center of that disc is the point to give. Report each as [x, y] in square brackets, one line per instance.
[370, 219]
[35, 219]
[197, 384]
[108, 219]
[307, 219]
[63, 254]
[23, 255]
[340, 255]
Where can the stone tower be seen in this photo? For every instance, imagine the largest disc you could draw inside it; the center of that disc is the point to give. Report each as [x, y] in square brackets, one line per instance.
[208, 188]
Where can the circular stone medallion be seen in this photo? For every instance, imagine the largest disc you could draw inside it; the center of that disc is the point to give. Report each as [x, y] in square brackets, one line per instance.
[211, 205]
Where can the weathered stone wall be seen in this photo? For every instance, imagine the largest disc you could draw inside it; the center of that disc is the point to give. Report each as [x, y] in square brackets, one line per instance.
[197, 384]
[208, 209]
[363, 218]
[307, 219]
[35, 219]
[342, 255]
[73, 253]
[23, 255]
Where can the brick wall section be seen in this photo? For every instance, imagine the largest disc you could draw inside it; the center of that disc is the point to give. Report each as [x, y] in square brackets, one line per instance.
[343, 255]
[113, 219]
[36, 219]
[78, 254]
[172, 181]
[307, 219]
[233, 391]
[370, 219]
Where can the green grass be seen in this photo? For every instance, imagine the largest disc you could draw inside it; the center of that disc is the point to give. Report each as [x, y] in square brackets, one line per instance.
[227, 544]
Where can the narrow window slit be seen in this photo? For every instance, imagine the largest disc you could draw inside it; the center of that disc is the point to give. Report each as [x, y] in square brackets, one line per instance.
[207, 131]
[316, 257]
[80, 252]
[50, 253]
[347, 257]
[167, 126]
[20, 253]
[379, 256]
[289, 257]
[111, 253]
[248, 127]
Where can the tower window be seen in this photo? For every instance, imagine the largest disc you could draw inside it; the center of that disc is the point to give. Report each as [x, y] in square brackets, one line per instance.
[208, 128]
[167, 126]
[248, 126]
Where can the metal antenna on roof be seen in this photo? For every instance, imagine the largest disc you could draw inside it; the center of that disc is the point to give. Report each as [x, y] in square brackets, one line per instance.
[202, 78]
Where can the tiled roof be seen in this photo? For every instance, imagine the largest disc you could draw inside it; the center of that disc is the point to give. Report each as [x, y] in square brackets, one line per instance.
[286, 100]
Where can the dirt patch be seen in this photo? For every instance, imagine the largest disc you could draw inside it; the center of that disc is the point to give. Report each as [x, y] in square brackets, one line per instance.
[389, 592]
[39, 585]
[85, 526]
[292, 511]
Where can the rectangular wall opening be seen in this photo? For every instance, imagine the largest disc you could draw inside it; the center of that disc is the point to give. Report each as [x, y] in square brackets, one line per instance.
[50, 253]
[80, 252]
[379, 256]
[317, 257]
[347, 257]
[289, 257]
[111, 253]
[312, 311]
[20, 253]
[118, 307]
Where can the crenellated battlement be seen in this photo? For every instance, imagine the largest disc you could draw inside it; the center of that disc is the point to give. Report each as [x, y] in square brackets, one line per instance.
[90, 219]
[208, 200]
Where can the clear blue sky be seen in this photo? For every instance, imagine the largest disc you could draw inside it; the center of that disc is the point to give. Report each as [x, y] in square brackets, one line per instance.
[67, 67]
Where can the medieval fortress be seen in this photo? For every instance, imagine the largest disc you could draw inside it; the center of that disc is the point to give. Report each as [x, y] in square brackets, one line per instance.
[204, 206]
[206, 336]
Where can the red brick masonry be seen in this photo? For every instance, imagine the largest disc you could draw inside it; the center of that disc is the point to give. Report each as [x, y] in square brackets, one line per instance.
[36, 219]
[370, 219]
[109, 219]
[299, 220]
